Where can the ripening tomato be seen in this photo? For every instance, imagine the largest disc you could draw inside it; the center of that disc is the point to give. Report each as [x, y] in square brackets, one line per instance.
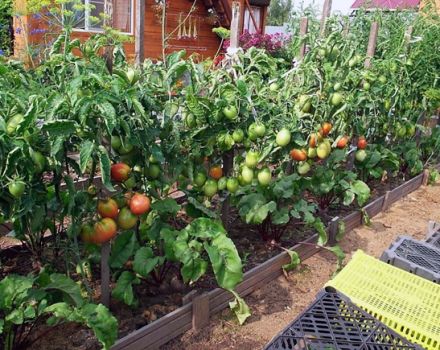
[323, 150]
[326, 128]
[87, 233]
[108, 208]
[104, 230]
[126, 219]
[362, 143]
[216, 172]
[313, 140]
[120, 172]
[139, 204]
[342, 142]
[298, 154]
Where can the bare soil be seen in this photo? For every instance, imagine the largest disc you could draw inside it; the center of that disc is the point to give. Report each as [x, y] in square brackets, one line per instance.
[280, 302]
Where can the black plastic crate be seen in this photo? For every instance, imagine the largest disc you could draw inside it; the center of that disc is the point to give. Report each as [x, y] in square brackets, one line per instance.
[333, 322]
[417, 257]
[434, 240]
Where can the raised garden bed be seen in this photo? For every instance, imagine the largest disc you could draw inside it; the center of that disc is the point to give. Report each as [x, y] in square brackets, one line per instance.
[196, 313]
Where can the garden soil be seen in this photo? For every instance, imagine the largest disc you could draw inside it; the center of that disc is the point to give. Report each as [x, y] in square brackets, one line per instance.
[281, 301]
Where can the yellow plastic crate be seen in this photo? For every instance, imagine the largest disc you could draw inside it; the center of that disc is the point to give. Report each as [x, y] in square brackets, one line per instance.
[407, 303]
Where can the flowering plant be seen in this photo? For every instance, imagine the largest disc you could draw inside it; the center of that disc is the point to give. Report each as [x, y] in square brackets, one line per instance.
[272, 43]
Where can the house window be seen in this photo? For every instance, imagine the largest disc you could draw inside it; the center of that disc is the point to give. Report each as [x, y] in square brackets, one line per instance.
[122, 16]
[249, 23]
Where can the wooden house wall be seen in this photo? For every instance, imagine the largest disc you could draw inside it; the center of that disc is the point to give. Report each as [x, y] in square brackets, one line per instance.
[205, 43]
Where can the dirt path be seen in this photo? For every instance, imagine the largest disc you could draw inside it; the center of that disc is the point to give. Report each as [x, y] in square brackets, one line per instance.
[280, 302]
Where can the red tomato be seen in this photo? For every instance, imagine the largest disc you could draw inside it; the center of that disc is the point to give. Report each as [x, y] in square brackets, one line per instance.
[139, 204]
[362, 143]
[326, 128]
[313, 140]
[342, 143]
[108, 208]
[120, 172]
[105, 230]
[298, 154]
[216, 172]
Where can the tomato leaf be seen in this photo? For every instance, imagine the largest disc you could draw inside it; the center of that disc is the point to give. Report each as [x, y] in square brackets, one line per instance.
[166, 206]
[144, 261]
[85, 154]
[124, 288]
[240, 308]
[105, 168]
[60, 127]
[122, 249]
[294, 260]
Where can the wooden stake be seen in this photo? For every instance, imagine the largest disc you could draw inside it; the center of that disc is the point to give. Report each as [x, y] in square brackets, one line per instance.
[108, 22]
[139, 33]
[425, 179]
[235, 28]
[303, 28]
[105, 274]
[326, 10]
[200, 311]
[333, 231]
[371, 43]
[385, 203]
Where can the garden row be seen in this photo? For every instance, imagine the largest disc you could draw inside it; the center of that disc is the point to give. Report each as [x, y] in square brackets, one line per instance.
[250, 140]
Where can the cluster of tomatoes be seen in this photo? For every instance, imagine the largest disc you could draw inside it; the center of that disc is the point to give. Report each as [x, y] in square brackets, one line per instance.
[320, 147]
[116, 213]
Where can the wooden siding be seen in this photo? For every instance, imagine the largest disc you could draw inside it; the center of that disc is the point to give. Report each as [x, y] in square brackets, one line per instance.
[205, 43]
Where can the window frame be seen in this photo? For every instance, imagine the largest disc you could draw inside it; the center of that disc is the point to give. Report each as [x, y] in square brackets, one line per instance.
[96, 30]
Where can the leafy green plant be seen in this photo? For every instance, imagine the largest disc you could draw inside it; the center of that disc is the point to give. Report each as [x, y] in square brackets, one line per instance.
[26, 301]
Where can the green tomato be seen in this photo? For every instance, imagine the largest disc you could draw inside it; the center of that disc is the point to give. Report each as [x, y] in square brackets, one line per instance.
[283, 137]
[190, 121]
[387, 104]
[247, 143]
[251, 159]
[126, 148]
[337, 99]
[13, 123]
[116, 142]
[273, 87]
[247, 175]
[238, 135]
[337, 86]
[199, 179]
[153, 171]
[222, 182]
[360, 155]
[312, 153]
[232, 185]
[410, 130]
[210, 188]
[383, 79]
[366, 86]
[39, 161]
[230, 112]
[16, 188]
[130, 183]
[352, 62]
[401, 130]
[260, 129]
[264, 177]
[303, 168]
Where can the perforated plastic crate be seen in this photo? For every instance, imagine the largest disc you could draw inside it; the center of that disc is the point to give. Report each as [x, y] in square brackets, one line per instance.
[434, 240]
[333, 322]
[405, 302]
[414, 256]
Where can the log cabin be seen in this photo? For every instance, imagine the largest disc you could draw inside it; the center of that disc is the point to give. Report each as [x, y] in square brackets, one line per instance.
[188, 24]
